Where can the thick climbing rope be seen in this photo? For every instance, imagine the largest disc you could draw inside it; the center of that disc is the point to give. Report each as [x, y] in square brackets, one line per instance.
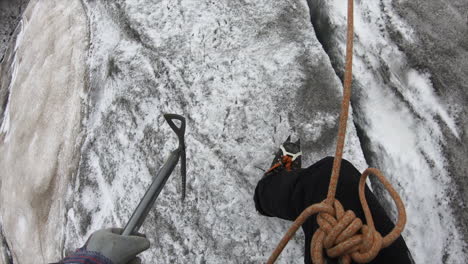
[341, 233]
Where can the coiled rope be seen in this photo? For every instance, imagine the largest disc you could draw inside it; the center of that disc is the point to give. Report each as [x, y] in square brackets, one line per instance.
[341, 233]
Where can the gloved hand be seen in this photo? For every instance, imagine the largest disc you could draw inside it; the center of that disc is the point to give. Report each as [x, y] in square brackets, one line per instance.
[119, 249]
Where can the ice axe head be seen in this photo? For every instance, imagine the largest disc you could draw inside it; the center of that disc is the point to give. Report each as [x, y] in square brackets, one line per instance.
[180, 132]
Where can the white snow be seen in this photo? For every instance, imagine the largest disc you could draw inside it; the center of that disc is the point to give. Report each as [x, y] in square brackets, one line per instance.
[420, 91]
[314, 129]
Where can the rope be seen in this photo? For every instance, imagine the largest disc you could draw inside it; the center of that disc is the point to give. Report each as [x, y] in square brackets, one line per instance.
[341, 233]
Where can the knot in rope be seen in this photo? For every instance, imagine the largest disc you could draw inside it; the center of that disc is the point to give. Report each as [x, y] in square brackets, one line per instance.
[343, 235]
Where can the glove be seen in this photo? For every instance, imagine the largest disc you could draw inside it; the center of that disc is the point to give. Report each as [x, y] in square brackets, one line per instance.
[119, 249]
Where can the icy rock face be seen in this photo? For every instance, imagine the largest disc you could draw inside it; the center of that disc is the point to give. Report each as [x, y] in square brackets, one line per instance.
[10, 13]
[442, 51]
[43, 81]
[410, 95]
[245, 75]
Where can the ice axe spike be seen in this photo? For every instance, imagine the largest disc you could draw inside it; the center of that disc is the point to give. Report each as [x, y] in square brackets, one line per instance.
[143, 208]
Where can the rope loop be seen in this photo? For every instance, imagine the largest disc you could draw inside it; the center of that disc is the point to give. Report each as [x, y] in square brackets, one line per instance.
[343, 235]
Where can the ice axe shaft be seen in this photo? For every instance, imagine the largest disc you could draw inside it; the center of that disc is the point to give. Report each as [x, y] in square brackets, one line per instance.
[143, 208]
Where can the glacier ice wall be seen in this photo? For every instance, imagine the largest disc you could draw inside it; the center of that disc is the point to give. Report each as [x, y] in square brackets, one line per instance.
[80, 140]
[245, 75]
[442, 50]
[408, 114]
[39, 133]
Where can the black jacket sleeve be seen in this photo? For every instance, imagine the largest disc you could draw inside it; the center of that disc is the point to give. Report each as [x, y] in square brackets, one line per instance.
[286, 194]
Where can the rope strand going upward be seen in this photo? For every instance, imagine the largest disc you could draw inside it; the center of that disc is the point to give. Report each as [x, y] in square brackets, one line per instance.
[340, 232]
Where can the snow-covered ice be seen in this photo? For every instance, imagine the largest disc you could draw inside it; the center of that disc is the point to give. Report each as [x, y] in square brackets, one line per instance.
[39, 136]
[85, 135]
[243, 77]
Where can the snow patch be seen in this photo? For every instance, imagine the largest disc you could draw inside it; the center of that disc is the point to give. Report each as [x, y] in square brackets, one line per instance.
[316, 128]
[421, 86]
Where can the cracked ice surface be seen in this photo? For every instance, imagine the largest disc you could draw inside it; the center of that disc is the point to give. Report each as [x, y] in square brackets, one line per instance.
[245, 75]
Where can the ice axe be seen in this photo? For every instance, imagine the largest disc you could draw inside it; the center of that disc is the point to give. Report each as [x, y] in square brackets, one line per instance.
[143, 208]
